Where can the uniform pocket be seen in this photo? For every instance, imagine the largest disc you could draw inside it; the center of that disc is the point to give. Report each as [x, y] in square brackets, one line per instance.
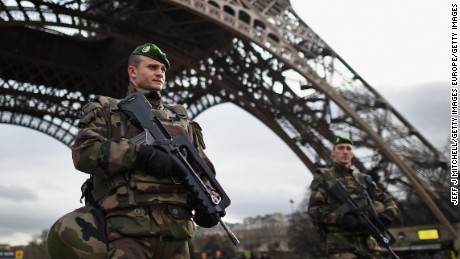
[130, 222]
[174, 221]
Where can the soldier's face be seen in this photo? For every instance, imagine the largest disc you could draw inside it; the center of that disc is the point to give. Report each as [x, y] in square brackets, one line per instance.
[343, 154]
[149, 75]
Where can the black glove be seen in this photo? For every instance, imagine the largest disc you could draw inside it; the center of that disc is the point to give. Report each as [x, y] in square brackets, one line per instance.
[154, 160]
[386, 218]
[350, 222]
[204, 219]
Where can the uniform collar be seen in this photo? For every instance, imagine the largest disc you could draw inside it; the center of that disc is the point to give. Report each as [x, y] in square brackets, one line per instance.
[338, 168]
[154, 97]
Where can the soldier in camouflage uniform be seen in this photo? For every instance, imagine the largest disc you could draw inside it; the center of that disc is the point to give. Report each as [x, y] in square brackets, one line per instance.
[340, 230]
[138, 210]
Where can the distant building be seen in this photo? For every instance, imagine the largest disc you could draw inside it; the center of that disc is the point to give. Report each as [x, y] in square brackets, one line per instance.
[5, 246]
[258, 234]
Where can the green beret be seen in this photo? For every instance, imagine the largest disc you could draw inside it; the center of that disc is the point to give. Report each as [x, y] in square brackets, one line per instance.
[151, 50]
[342, 140]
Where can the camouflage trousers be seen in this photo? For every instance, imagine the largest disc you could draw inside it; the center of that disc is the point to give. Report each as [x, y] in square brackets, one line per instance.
[155, 232]
[148, 248]
[352, 246]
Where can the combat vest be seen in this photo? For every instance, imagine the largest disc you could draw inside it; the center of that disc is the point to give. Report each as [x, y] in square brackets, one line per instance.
[135, 187]
[357, 187]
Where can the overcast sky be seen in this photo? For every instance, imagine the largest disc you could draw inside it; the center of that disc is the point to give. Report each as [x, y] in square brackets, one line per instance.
[401, 48]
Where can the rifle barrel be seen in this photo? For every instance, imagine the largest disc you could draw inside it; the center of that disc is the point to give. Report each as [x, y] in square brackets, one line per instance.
[229, 233]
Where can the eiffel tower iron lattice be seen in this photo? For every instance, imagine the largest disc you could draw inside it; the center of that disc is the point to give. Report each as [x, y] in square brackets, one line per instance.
[256, 54]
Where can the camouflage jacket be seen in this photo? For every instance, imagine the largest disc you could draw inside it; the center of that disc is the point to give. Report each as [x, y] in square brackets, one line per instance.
[102, 149]
[325, 211]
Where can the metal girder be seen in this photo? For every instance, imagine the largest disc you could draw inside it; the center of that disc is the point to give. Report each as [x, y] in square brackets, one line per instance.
[257, 54]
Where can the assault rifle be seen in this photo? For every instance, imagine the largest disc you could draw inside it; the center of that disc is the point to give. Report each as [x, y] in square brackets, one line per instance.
[137, 107]
[381, 235]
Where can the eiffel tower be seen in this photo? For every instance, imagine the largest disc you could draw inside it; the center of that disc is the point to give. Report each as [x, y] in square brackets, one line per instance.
[257, 54]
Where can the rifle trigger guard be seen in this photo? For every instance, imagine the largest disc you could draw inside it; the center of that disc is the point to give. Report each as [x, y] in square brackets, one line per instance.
[176, 181]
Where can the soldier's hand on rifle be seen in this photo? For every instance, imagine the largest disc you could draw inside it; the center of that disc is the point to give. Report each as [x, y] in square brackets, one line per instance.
[350, 222]
[386, 218]
[204, 219]
[156, 161]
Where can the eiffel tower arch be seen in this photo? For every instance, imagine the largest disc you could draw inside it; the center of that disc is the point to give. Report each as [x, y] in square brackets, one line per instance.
[257, 54]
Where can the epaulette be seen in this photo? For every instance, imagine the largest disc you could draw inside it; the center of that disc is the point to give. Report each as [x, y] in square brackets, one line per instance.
[99, 106]
[88, 113]
[325, 172]
[178, 109]
[107, 102]
[197, 134]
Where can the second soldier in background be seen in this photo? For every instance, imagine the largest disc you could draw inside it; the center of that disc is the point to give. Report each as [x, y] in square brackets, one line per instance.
[341, 232]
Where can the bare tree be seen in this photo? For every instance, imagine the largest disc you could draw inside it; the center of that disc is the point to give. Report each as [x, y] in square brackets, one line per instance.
[37, 247]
